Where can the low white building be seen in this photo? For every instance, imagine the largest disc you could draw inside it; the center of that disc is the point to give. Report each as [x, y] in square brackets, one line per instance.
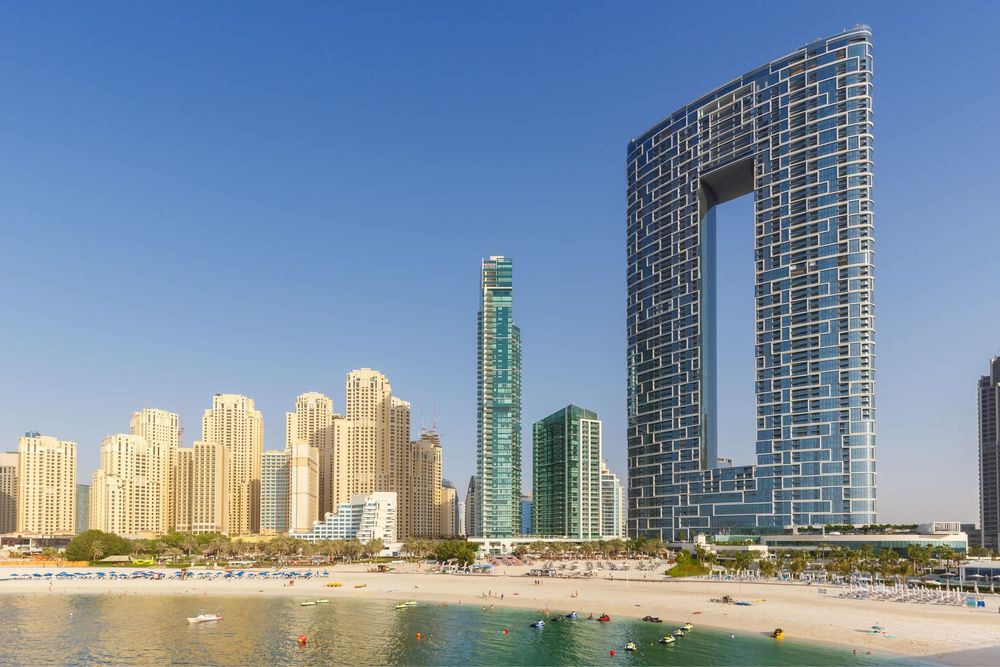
[367, 517]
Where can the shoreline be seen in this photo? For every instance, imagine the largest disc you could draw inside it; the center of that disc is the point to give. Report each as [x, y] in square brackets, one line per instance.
[942, 634]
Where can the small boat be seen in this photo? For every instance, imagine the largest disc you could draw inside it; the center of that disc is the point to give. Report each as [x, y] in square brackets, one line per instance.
[322, 602]
[687, 627]
[778, 633]
[603, 618]
[401, 605]
[334, 584]
[538, 624]
[360, 585]
[652, 619]
[631, 647]
[410, 603]
[572, 614]
[667, 639]
[307, 604]
[204, 618]
[743, 603]
[679, 632]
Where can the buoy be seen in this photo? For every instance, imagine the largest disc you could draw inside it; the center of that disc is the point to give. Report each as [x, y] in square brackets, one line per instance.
[505, 631]
[612, 651]
[418, 636]
[302, 639]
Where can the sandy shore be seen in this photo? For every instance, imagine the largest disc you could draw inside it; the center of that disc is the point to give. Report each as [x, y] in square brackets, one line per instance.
[946, 634]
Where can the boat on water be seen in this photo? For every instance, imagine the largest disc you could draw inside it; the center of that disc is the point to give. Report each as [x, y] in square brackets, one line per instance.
[631, 647]
[778, 633]
[603, 618]
[401, 605]
[572, 614]
[679, 632]
[687, 627]
[410, 603]
[652, 619]
[322, 602]
[538, 624]
[204, 618]
[310, 603]
[667, 639]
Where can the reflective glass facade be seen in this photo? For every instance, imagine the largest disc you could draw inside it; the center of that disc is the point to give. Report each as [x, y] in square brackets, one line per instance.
[498, 452]
[797, 134]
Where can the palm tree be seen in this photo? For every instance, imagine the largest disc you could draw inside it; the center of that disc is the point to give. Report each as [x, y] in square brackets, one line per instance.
[373, 547]
[188, 543]
[96, 550]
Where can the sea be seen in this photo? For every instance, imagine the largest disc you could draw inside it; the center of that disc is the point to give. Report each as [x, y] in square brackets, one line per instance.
[45, 629]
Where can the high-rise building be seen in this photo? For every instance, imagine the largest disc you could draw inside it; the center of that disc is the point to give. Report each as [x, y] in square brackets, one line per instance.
[365, 517]
[46, 485]
[312, 422]
[989, 456]
[210, 492]
[797, 133]
[422, 488]
[613, 505]
[8, 492]
[238, 427]
[274, 492]
[498, 450]
[566, 497]
[182, 483]
[459, 516]
[161, 430]
[527, 513]
[303, 486]
[472, 509]
[449, 510]
[362, 451]
[127, 491]
[82, 508]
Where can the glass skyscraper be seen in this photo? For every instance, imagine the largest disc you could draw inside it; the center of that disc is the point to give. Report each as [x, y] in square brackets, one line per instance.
[797, 134]
[989, 456]
[566, 477]
[498, 459]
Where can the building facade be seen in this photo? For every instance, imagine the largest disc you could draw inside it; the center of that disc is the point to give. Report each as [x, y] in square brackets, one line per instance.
[303, 486]
[210, 491]
[566, 480]
[471, 508]
[235, 424]
[82, 508]
[162, 432]
[366, 517]
[46, 485]
[127, 492]
[498, 451]
[613, 505]
[312, 422]
[274, 492]
[527, 514]
[797, 133]
[8, 492]
[989, 451]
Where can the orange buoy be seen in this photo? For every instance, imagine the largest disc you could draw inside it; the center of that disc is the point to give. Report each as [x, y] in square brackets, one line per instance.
[302, 639]
[418, 636]
[612, 652]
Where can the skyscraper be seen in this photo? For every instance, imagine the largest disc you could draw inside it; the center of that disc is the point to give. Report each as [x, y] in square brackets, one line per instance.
[797, 133]
[8, 492]
[471, 509]
[82, 508]
[46, 485]
[238, 427]
[274, 493]
[303, 486]
[161, 431]
[989, 450]
[566, 475]
[498, 451]
[312, 422]
[127, 491]
[613, 505]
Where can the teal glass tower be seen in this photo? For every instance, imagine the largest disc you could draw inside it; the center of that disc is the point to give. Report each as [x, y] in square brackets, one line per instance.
[498, 447]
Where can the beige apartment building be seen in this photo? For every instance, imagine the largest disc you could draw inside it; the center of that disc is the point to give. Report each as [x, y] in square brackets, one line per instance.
[46, 485]
[8, 492]
[127, 493]
[303, 486]
[234, 424]
[161, 431]
[182, 484]
[210, 490]
[313, 422]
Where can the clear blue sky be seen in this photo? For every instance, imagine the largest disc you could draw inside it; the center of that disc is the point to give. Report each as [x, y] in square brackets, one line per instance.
[257, 198]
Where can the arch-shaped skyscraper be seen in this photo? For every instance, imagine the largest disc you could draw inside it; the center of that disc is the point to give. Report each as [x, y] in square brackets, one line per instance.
[797, 134]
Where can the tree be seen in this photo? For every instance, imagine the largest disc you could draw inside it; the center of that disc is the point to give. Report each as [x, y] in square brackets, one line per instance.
[766, 567]
[373, 547]
[462, 551]
[109, 544]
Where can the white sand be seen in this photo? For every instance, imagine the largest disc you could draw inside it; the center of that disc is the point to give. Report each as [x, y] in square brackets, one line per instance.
[948, 634]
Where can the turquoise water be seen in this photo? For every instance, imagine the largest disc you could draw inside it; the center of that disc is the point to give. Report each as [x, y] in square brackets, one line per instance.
[92, 629]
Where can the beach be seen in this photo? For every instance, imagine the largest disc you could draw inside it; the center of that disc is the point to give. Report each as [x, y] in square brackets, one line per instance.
[945, 634]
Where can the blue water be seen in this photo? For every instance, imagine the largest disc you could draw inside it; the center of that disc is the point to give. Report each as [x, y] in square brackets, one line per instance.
[133, 630]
